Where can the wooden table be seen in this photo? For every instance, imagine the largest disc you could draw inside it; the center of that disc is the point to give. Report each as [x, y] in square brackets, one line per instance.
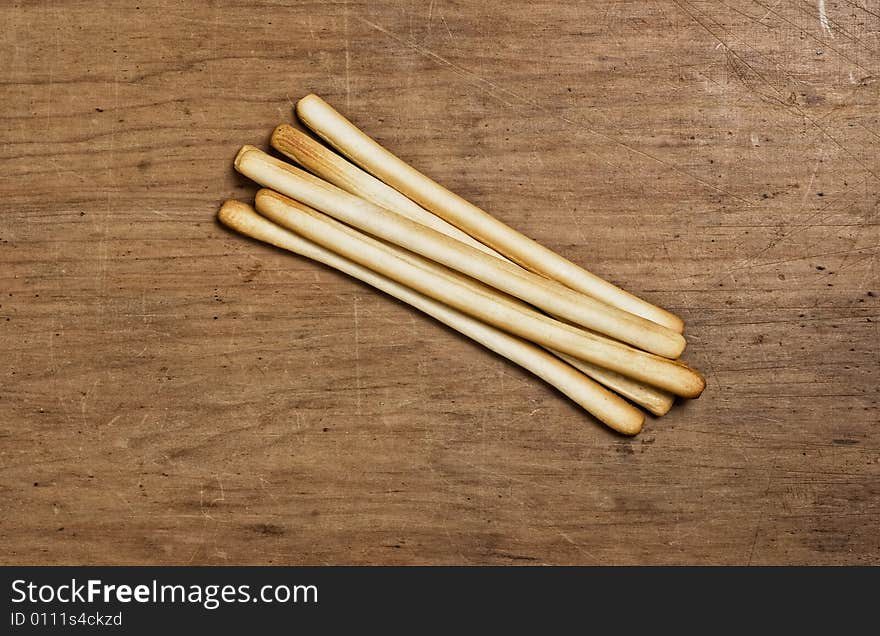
[171, 393]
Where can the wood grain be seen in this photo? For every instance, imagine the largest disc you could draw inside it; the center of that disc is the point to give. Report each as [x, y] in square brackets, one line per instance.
[171, 393]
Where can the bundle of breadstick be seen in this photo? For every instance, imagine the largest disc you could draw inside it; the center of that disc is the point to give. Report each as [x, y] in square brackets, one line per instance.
[356, 207]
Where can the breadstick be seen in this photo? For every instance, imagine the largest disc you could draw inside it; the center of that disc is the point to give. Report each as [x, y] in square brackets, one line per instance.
[596, 400]
[541, 292]
[660, 372]
[654, 400]
[343, 135]
[323, 162]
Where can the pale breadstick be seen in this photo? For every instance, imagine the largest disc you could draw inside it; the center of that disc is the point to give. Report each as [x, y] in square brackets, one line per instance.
[596, 400]
[343, 135]
[660, 372]
[546, 294]
[323, 162]
[654, 400]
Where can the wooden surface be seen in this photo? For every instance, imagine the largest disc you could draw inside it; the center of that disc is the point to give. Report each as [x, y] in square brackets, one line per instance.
[172, 393]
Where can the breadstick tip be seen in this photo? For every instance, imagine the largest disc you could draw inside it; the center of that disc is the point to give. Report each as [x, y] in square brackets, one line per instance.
[631, 427]
[674, 322]
[232, 212]
[310, 98]
[303, 104]
[698, 385]
[281, 131]
[679, 343]
[265, 193]
[702, 385]
[241, 153]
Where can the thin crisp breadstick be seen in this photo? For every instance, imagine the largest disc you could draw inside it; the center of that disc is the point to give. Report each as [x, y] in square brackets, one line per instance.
[596, 400]
[343, 135]
[669, 375]
[654, 400]
[323, 162]
[546, 294]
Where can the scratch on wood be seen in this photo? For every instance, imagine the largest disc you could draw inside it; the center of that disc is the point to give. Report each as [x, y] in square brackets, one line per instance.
[582, 126]
[357, 355]
[823, 20]
[347, 57]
